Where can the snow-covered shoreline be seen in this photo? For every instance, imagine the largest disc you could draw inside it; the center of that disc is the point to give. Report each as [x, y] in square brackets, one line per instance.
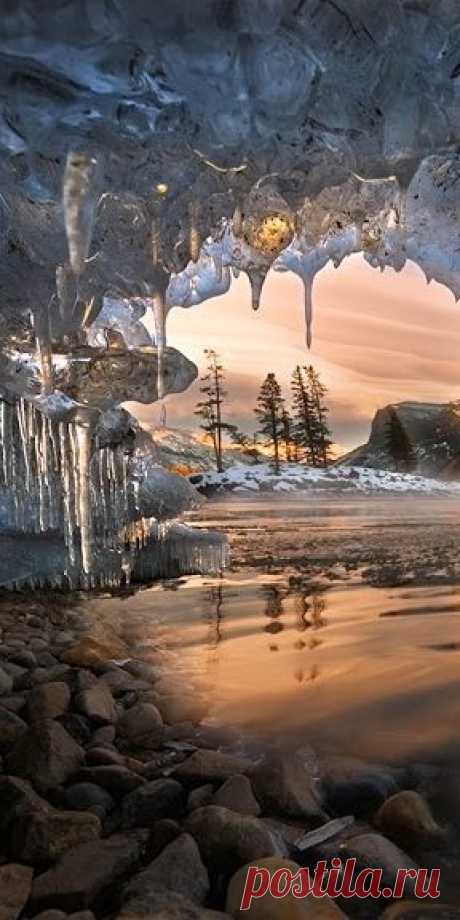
[294, 477]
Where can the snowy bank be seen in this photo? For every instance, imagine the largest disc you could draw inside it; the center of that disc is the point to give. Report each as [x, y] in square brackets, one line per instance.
[295, 477]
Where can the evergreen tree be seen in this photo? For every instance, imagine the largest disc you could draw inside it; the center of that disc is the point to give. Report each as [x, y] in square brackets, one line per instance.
[287, 436]
[321, 432]
[304, 422]
[398, 445]
[246, 444]
[210, 408]
[269, 411]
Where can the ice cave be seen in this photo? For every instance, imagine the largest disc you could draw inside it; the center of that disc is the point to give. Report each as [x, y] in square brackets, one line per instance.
[148, 153]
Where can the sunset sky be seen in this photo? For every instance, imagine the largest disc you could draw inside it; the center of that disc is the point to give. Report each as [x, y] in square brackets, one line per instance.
[377, 338]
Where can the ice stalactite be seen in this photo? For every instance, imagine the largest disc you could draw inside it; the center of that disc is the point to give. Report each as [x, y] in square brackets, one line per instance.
[256, 281]
[80, 196]
[194, 233]
[308, 305]
[83, 444]
[160, 313]
[66, 291]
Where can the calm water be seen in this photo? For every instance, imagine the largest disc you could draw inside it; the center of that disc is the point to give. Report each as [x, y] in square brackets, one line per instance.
[288, 652]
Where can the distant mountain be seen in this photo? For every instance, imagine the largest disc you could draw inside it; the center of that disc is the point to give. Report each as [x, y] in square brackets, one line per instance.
[433, 430]
[184, 451]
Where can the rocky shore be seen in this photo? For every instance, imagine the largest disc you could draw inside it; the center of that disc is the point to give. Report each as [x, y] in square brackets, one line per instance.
[115, 804]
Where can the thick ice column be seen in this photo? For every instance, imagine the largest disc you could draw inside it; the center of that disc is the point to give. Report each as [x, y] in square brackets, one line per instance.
[83, 472]
[80, 195]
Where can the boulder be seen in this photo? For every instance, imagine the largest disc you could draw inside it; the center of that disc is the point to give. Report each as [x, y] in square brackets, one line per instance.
[11, 729]
[89, 874]
[88, 796]
[227, 840]
[42, 837]
[178, 868]
[283, 786]
[48, 701]
[141, 727]
[161, 798]
[237, 795]
[410, 910]
[91, 651]
[15, 886]
[103, 756]
[352, 786]
[374, 851]
[166, 905]
[17, 798]
[202, 795]
[51, 915]
[287, 908]
[143, 670]
[406, 818]
[206, 766]
[46, 755]
[6, 682]
[117, 780]
[97, 704]
[178, 707]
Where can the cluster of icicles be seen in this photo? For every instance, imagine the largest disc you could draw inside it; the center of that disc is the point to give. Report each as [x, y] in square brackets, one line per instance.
[52, 480]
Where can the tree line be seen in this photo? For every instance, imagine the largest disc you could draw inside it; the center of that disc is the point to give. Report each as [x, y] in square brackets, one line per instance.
[293, 430]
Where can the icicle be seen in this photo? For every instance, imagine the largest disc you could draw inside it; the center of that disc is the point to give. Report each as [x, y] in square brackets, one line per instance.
[194, 233]
[156, 241]
[256, 280]
[308, 306]
[46, 365]
[66, 290]
[159, 318]
[80, 193]
[83, 440]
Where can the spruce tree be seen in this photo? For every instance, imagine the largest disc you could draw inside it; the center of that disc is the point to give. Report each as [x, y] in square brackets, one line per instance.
[269, 411]
[304, 419]
[287, 436]
[398, 445]
[321, 432]
[210, 408]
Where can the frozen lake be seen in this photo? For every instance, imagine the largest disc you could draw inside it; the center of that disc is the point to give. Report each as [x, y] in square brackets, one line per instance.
[338, 624]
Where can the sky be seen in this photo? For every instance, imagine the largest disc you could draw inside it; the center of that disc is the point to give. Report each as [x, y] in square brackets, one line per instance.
[377, 338]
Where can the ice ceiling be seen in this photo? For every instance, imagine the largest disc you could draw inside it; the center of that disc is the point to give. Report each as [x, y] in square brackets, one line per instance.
[150, 149]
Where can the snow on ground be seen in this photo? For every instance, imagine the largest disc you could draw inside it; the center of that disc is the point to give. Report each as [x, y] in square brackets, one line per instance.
[294, 477]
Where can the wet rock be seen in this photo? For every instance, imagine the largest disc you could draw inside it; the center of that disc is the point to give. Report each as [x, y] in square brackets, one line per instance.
[88, 796]
[166, 905]
[24, 658]
[207, 766]
[78, 726]
[48, 701]
[98, 756]
[201, 796]
[178, 868]
[237, 795]
[51, 915]
[226, 839]
[408, 910]
[89, 874]
[14, 703]
[91, 651]
[46, 755]
[406, 818]
[287, 908]
[176, 708]
[103, 736]
[11, 729]
[143, 670]
[119, 681]
[141, 726]
[283, 786]
[46, 660]
[6, 682]
[352, 786]
[117, 780]
[97, 704]
[17, 798]
[15, 886]
[80, 679]
[42, 837]
[161, 798]
[374, 851]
